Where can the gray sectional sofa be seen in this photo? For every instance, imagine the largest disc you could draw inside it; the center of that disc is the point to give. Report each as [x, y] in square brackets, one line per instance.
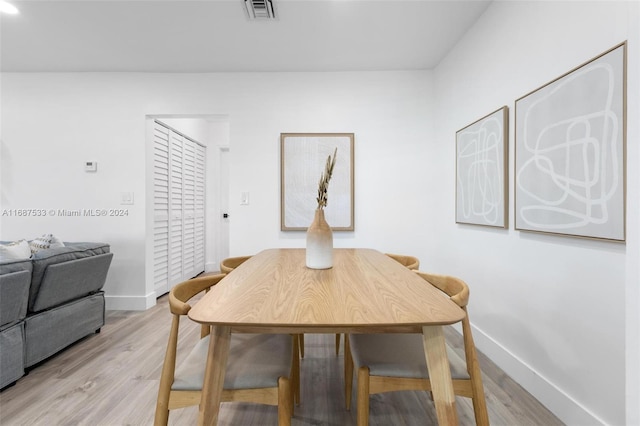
[48, 302]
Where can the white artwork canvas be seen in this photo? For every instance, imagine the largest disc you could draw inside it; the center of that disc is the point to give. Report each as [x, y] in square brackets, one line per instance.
[481, 172]
[303, 159]
[569, 157]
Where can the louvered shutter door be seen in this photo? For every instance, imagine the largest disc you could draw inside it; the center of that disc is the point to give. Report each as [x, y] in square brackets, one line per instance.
[161, 209]
[179, 207]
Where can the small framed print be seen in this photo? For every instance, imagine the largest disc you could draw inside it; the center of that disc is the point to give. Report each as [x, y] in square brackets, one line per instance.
[481, 171]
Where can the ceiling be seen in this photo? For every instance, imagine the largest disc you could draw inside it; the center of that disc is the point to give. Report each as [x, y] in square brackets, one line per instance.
[217, 35]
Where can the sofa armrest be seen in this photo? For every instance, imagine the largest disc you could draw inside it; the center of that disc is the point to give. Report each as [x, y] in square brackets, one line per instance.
[70, 280]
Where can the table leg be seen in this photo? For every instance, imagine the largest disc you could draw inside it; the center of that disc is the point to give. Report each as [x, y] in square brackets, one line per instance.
[214, 375]
[440, 374]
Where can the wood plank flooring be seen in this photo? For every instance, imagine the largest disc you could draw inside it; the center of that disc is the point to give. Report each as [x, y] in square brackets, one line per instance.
[111, 379]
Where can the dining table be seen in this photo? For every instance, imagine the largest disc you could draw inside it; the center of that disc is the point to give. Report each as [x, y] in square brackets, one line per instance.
[364, 291]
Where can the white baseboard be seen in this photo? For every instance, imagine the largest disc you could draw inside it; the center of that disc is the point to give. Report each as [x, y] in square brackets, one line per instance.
[130, 303]
[559, 403]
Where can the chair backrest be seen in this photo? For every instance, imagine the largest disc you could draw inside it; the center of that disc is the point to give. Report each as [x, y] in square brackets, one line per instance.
[410, 262]
[181, 293]
[229, 264]
[454, 287]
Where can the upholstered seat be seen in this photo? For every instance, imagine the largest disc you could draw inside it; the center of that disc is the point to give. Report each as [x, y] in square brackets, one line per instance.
[264, 351]
[408, 363]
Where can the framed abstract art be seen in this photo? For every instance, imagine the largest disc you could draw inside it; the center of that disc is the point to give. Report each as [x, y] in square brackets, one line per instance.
[570, 137]
[481, 171]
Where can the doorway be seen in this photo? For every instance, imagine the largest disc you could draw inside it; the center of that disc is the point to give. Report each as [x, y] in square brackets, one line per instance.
[212, 131]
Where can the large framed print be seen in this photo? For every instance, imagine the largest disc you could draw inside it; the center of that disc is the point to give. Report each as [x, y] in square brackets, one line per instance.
[302, 161]
[481, 171]
[570, 140]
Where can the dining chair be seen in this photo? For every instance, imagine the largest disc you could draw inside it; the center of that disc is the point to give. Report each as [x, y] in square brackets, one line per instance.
[394, 362]
[260, 367]
[229, 264]
[410, 262]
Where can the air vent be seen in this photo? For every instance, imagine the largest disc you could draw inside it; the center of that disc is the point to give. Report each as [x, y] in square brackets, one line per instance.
[260, 9]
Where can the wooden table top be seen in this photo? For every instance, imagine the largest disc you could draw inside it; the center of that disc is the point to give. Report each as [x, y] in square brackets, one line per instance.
[365, 289]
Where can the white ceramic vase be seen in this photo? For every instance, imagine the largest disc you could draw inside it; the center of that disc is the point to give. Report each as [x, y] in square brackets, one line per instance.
[319, 243]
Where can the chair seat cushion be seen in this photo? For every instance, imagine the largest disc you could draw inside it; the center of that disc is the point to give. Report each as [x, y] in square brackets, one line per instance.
[255, 361]
[398, 355]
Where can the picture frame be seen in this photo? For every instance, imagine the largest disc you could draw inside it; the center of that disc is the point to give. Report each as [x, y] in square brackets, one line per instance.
[570, 152]
[481, 171]
[302, 161]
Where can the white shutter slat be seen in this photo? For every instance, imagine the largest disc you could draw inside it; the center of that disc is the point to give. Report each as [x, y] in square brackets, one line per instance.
[175, 203]
[200, 167]
[188, 208]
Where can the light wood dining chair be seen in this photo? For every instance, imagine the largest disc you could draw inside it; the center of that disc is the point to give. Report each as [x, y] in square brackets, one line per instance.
[395, 362]
[229, 264]
[410, 262]
[260, 367]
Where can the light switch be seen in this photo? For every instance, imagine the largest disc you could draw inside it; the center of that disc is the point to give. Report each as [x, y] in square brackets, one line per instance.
[126, 198]
[244, 199]
[90, 166]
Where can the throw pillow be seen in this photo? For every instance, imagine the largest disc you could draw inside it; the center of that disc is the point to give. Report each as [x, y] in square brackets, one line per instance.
[44, 242]
[15, 251]
[56, 242]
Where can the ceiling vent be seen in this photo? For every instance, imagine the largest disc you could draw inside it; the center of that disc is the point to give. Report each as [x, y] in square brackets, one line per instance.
[260, 9]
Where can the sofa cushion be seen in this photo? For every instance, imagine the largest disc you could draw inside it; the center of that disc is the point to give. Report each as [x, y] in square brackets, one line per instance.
[14, 294]
[17, 250]
[66, 281]
[71, 251]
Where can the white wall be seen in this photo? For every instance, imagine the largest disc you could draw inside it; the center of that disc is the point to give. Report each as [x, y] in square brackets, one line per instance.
[52, 123]
[389, 114]
[550, 310]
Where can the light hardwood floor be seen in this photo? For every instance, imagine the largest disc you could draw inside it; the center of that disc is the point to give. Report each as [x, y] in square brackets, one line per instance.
[111, 378]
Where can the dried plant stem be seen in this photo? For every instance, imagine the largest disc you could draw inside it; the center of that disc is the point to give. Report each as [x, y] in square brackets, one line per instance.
[323, 185]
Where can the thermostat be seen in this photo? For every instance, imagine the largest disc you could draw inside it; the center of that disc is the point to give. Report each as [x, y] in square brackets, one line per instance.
[91, 166]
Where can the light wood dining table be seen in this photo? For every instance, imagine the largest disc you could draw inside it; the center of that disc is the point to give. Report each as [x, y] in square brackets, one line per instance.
[364, 292]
